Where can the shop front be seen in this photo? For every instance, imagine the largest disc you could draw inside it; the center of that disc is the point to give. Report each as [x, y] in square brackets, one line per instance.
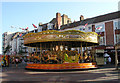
[105, 52]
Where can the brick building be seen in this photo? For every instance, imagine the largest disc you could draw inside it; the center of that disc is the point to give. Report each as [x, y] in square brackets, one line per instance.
[107, 26]
[56, 23]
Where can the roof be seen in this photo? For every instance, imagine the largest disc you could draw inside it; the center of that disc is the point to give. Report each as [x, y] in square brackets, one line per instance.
[101, 18]
[54, 20]
[44, 26]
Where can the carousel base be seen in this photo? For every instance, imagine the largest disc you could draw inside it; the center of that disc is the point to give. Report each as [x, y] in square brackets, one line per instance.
[64, 66]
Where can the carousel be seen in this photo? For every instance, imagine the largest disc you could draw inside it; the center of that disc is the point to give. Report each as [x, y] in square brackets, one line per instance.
[62, 50]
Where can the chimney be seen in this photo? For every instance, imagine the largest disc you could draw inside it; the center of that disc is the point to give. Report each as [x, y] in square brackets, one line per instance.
[58, 17]
[81, 17]
[40, 24]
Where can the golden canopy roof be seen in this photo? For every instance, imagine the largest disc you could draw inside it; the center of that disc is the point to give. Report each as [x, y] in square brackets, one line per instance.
[48, 36]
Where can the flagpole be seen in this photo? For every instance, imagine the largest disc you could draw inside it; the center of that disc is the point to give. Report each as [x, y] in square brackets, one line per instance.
[14, 28]
[34, 30]
[34, 27]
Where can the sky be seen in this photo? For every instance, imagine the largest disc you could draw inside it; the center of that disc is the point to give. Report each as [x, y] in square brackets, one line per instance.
[23, 14]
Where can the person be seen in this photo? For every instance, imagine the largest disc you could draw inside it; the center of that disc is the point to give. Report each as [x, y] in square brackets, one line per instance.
[4, 62]
[16, 61]
[105, 60]
[85, 57]
[109, 60]
[80, 59]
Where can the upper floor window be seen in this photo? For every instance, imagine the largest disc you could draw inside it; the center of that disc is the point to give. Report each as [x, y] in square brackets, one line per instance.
[49, 26]
[117, 38]
[117, 24]
[40, 28]
[80, 29]
[3, 35]
[88, 29]
[102, 40]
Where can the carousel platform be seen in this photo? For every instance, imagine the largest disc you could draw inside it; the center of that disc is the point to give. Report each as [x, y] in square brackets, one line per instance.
[64, 66]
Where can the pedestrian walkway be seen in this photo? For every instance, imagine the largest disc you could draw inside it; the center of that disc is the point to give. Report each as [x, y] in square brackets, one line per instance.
[109, 66]
[103, 74]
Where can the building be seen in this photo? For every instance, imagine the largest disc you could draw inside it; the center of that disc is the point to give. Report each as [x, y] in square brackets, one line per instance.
[119, 6]
[17, 46]
[12, 43]
[55, 23]
[107, 26]
[6, 38]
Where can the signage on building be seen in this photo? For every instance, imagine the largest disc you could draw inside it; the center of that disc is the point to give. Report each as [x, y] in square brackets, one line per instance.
[99, 50]
[110, 47]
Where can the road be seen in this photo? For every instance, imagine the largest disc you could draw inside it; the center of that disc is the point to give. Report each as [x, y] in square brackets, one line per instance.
[20, 75]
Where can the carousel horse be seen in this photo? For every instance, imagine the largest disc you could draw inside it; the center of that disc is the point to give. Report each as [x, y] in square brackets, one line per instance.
[71, 59]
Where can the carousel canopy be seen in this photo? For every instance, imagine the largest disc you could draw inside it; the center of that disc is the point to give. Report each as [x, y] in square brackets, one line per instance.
[69, 37]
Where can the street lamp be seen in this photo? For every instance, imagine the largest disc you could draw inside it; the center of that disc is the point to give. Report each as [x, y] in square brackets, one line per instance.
[117, 46]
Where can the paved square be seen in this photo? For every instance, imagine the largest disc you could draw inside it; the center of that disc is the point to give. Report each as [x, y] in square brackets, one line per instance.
[13, 74]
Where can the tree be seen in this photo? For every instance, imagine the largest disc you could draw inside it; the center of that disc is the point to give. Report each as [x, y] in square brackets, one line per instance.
[21, 52]
[7, 49]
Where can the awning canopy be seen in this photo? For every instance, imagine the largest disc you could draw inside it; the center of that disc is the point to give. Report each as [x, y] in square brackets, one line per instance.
[106, 55]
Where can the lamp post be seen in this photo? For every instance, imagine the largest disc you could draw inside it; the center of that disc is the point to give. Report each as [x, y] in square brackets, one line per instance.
[116, 59]
[117, 46]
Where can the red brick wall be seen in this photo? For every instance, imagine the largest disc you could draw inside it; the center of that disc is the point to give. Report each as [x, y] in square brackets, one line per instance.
[109, 33]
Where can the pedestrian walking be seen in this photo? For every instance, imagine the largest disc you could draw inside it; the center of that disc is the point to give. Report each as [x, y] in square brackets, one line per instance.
[105, 60]
[16, 62]
[109, 60]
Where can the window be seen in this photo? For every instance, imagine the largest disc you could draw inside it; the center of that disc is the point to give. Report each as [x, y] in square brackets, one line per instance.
[49, 26]
[80, 29]
[117, 38]
[117, 24]
[89, 28]
[40, 28]
[102, 40]
[3, 35]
